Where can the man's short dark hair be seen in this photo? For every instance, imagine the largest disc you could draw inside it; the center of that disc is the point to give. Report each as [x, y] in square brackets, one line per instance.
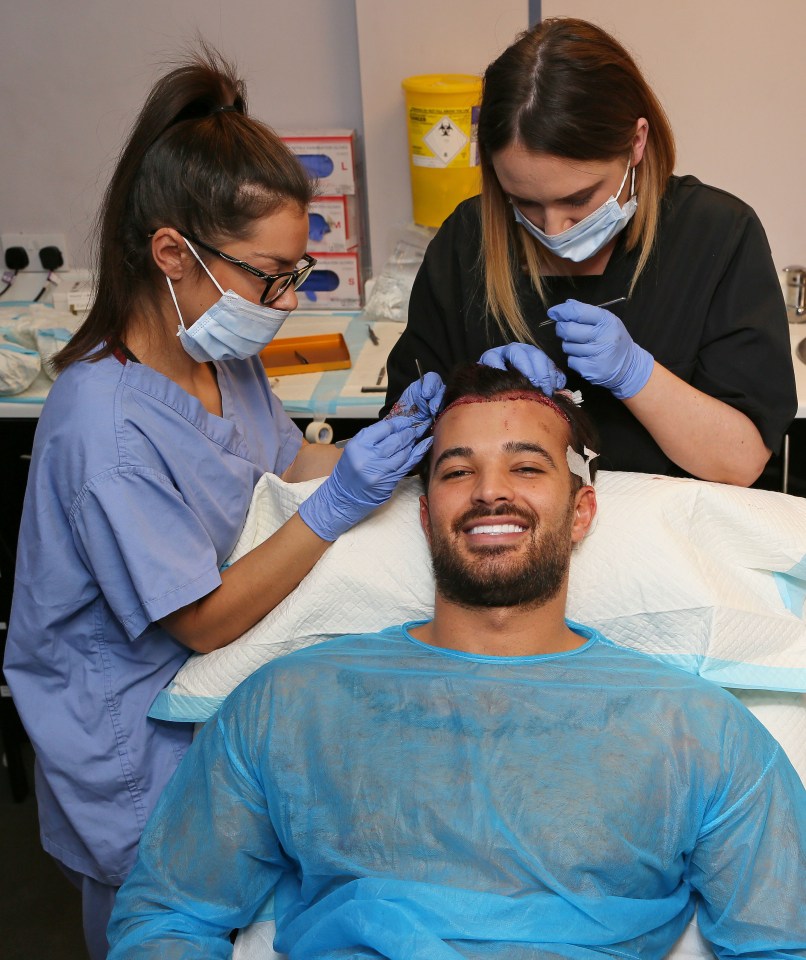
[476, 379]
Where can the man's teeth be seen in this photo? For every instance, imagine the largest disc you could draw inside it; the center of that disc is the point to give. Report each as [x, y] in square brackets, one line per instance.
[497, 528]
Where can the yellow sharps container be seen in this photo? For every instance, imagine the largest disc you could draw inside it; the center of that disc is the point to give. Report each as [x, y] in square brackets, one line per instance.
[442, 111]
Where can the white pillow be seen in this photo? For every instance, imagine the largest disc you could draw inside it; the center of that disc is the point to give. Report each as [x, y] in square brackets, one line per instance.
[703, 575]
[706, 576]
[374, 575]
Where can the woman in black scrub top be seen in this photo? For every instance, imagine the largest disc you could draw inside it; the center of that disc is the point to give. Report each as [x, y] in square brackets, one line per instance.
[691, 374]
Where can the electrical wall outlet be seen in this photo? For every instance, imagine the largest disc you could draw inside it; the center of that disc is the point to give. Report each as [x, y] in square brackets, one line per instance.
[32, 243]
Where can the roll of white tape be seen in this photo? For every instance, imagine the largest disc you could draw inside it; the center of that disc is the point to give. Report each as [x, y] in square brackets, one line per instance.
[318, 431]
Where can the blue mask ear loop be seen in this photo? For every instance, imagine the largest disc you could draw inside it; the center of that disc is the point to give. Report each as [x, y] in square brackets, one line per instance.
[171, 286]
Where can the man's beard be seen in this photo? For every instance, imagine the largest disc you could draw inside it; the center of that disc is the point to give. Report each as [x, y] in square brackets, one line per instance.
[503, 576]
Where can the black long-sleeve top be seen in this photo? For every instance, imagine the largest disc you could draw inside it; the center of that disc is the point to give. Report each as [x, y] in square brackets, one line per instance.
[708, 306]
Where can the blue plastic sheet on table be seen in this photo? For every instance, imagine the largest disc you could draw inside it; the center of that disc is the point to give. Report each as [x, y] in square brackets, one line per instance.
[326, 399]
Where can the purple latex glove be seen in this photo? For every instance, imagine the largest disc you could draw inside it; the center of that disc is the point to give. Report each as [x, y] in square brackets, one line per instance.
[366, 475]
[538, 368]
[420, 400]
[600, 349]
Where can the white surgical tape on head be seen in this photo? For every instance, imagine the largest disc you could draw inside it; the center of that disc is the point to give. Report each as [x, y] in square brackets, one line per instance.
[575, 396]
[579, 464]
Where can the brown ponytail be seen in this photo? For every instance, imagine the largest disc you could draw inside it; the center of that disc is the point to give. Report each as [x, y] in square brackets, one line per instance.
[194, 161]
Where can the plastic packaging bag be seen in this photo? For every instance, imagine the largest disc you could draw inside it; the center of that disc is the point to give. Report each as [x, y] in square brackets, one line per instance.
[43, 330]
[19, 366]
[389, 299]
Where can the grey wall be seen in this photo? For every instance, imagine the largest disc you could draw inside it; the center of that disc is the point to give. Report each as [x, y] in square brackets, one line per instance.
[402, 39]
[74, 74]
[731, 75]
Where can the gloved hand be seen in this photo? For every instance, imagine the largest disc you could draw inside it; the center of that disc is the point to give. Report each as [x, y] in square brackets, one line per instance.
[530, 361]
[420, 400]
[366, 475]
[600, 349]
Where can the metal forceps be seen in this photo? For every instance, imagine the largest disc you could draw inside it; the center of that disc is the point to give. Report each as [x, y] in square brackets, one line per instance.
[607, 303]
[420, 373]
[421, 376]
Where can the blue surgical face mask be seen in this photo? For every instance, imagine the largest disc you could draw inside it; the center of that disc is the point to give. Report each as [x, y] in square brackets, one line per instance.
[232, 329]
[585, 239]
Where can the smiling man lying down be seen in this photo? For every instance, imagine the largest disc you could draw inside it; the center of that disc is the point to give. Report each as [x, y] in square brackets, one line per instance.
[495, 782]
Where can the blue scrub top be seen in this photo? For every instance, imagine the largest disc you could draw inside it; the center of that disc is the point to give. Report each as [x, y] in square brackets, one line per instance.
[136, 495]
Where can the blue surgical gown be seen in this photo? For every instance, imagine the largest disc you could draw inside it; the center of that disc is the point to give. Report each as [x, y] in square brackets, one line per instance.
[135, 497]
[407, 801]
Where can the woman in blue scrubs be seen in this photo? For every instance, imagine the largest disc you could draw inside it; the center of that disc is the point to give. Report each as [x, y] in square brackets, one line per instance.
[149, 446]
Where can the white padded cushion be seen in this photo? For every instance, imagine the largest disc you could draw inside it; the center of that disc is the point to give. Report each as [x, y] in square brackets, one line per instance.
[709, 577]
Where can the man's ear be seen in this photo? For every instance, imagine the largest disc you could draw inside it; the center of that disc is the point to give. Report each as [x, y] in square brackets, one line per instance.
[584, 513]
[425, 517]
[170, 252]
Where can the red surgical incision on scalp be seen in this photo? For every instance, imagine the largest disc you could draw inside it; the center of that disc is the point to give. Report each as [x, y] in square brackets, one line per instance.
[516, 395]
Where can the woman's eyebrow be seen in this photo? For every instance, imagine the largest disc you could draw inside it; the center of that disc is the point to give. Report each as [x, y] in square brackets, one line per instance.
[578, 195]
[277, 258]
[581, 193]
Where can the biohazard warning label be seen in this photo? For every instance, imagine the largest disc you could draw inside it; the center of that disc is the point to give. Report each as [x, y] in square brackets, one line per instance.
[446, 140]
[438, 139]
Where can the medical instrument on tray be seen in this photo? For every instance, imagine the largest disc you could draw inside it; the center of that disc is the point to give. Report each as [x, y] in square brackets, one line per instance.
[377, 388]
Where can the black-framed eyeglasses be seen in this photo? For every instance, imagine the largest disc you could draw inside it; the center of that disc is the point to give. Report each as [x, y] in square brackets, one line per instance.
[276, 283]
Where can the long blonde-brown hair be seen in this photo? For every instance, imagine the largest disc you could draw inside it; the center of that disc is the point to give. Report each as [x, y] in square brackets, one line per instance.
[568, 89]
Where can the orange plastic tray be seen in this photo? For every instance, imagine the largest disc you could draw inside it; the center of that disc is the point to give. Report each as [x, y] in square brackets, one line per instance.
[288, 355]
